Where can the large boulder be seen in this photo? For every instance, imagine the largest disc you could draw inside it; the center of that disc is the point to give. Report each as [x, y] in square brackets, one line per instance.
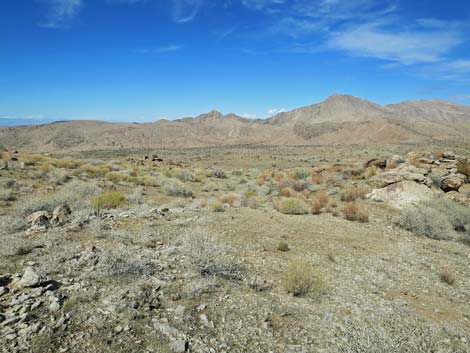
[60, 215]
[452, 182]
[401, 173]
[402, 194]
[30, 278]
[38, 219]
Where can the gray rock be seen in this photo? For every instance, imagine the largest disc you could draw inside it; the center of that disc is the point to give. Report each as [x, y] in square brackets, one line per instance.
[30, 278]
[452, 182]
[60, 215]
[38, 219]
[402, 194]
[179, 346]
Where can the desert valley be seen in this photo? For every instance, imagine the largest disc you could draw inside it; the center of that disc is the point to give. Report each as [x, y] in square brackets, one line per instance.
[339, 227]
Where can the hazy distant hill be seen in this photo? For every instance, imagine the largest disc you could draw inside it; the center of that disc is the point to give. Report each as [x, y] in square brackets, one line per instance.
[340, 119]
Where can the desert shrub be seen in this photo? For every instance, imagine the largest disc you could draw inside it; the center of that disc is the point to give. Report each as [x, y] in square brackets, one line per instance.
[316, 207]
[115, 177]
[200, 175]
[287, 192]
[426, 221]
[123, 264]
[11, 224]
[137, 196]
[210, 257]
[300, 279]
[447, 276]
[352, 213]
[283, 246]
[174, 187]
[32, 159]
[45, 168]
[229, 198]
[148, 180]
[7, 195]
[217, 206]
[301, 173]
[322, 198]
[251, 199]
[108, 201]
[457, 214]
[293, 206]
[397, 334]
[184, 175]
[316, 179]
[74, 194]
[67, 163]
[464, 167]
[94, 171]
[219, 173]
[2, 148]
[371, 171]
[297, 185]
[352, 194]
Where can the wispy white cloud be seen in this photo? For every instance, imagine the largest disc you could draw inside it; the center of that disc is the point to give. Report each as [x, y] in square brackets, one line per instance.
[403, 46]
[61, 12]
[160, 50]
[449, 70]
[186, 10]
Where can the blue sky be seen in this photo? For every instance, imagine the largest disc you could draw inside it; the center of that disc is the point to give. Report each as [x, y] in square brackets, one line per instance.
[141, 60]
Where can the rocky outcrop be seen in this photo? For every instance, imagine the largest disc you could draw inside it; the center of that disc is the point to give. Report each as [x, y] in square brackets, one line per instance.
[416, 179]
[402, 194]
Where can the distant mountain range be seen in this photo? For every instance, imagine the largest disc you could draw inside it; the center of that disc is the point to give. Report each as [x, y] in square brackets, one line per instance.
[340, 119]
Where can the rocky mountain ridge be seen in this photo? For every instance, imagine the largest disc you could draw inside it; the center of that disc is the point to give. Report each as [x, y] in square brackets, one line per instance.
[340, 119]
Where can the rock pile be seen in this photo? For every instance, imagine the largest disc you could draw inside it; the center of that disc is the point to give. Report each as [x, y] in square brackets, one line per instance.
[25, 300]
[41, 220]
[413, 178]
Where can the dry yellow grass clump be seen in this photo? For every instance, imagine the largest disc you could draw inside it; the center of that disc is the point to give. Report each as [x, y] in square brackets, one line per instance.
[108, 200]
[301, 279]
[293, 206]
[352, 213]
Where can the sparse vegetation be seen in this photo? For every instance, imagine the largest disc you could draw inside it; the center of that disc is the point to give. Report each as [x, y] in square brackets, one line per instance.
[301, 279]
[174, 187]
[447, 276]
[283, 246]
[352, 194]
[352, 212]
[108, 201]
[426, 221]
[75, 194]
[293, 206]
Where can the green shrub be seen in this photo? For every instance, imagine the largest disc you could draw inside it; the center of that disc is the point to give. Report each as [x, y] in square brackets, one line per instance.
[283, 246]
[217, 206]
[457, 214]
[75, 194]
[293, 206]
[109, 200]
[251, 199]
[301, 279]
[301, 174]
[426, 221]
[115, 177]
[174, 187]
[2, 148]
